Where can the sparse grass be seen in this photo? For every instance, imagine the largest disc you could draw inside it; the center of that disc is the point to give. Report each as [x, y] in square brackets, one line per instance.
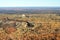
[46, 27]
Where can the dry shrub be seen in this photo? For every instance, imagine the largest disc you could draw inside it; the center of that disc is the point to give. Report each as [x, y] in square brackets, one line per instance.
[10, 29]
[58, 36]
[3, 35]
[41, 37]
[30, 37]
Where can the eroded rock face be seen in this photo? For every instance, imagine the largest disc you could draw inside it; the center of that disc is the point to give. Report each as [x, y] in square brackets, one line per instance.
[29, 24]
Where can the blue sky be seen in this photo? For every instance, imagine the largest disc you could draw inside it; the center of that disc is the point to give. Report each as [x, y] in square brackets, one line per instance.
[29, 3]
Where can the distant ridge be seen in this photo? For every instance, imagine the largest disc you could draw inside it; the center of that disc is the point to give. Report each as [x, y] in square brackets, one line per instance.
[33, 10]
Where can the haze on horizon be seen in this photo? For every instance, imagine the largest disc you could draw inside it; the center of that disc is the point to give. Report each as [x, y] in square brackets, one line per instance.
[29, 3]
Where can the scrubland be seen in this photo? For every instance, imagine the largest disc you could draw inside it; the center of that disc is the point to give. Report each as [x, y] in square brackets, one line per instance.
[30, 27]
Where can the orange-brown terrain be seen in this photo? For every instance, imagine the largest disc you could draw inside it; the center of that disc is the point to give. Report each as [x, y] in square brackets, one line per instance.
[29, 27]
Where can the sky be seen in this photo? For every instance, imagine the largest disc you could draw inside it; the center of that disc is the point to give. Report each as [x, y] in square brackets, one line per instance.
[29, 3]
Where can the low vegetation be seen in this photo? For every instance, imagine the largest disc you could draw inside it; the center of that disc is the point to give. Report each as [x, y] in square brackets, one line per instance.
[30, 27]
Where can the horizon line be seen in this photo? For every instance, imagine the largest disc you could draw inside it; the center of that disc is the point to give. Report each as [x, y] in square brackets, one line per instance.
[30, 6]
